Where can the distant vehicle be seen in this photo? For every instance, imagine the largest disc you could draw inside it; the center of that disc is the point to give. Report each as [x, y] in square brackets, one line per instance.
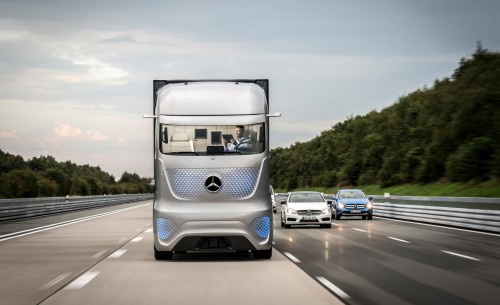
[305, 208]
[352, 202]
[273, 198]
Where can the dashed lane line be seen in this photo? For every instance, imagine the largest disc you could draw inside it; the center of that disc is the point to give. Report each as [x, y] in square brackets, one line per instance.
[292, 258]
[82, 280]
[137, 239]
[360, 230]
[56, 280]
[398, 239]
[461, 255]
[333, 288]
[118, 253]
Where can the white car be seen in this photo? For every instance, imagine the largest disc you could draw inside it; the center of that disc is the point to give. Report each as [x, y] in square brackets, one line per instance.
[305, 208]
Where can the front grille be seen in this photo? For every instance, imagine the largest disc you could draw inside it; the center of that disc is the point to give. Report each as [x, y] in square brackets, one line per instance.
[355, 206]
[189, 183]
[306, 212]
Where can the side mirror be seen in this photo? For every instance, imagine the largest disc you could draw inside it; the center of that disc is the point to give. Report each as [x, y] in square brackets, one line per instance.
[370, 198]
[334, 198]
[329, 202]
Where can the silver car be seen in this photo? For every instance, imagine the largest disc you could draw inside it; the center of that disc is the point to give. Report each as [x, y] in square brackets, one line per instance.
[305, 208]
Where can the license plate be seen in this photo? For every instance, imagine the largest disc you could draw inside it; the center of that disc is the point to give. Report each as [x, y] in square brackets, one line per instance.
[355, 211]
[308, 218]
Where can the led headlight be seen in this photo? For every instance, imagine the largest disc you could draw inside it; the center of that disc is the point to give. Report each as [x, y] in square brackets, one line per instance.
[326, 211]
[291, 211]
[369, 205]
[340, 205]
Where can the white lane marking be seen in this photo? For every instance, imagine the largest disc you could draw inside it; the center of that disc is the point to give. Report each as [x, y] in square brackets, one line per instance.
[461, 255]
[292, 258]
[137, 239]
[56, 280]
[100, 253]
[360, 230]
[118, 253]
[64, 223]
[149, 230]
[333, 288]
[82, 280]
[397, 239]
[443, 227]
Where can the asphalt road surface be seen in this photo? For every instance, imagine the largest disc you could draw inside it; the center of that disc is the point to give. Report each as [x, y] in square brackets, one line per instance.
[104, 256]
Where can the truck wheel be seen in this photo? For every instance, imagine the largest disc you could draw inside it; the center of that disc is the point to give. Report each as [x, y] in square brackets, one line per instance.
[263, 254]
[163, 255]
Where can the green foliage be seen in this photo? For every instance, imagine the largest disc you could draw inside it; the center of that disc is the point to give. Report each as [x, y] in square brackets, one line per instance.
[448, 132]
[45, 177]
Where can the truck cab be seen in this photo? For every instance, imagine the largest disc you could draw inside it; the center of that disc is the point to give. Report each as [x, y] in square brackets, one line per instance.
[211, 167]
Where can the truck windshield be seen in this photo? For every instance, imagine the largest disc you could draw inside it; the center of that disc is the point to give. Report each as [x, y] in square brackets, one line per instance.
[212, 139]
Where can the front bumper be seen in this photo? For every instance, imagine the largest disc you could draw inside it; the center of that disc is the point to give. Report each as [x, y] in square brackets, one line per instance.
[355, 212]
[292, 219]
[174, 235]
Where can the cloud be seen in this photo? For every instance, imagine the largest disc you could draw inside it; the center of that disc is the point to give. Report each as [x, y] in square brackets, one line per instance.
[97, 70]
[11, 134]
[66, 131]
[63, 131]
[7, 35]
[95, 136]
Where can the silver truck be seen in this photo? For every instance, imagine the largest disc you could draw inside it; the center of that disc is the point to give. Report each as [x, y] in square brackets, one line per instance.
[211, 167]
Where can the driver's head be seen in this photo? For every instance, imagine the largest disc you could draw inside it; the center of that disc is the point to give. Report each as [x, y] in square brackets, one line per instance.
[240, 130]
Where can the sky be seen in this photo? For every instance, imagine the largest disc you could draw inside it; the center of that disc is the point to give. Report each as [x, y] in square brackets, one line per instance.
[76, 76]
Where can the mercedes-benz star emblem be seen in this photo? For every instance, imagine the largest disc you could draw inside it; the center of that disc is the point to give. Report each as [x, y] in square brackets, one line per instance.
[309, 213]
[213, 184]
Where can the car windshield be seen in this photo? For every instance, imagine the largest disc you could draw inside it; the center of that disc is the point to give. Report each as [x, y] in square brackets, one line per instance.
[196, 140]
[352, 194]
[306, 197]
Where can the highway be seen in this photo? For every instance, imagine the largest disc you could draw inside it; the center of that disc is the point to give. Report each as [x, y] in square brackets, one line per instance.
[104, 256]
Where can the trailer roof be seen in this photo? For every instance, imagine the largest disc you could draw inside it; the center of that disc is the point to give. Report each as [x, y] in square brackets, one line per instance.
[211, 98]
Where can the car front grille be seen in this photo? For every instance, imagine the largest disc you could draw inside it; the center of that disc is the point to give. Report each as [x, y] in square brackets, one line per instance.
[355, 206]
[309, 212]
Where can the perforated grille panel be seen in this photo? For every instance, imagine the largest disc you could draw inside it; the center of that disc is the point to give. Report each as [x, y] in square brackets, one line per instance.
[189, 184]
[262, 226]
[164, 227]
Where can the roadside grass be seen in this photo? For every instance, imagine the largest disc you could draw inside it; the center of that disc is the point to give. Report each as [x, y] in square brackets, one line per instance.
[489, 188]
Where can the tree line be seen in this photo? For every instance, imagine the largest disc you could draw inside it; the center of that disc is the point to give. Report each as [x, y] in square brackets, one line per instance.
[45, 177]
[449, 132]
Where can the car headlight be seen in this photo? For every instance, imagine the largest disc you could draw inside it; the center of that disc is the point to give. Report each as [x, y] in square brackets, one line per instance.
[340, 205]
[326, 211]
[369, 205]
[291, 211]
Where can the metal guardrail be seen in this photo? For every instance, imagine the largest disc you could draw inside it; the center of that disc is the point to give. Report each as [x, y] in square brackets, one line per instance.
[477, 213]
[22, 208]
[463, 212]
